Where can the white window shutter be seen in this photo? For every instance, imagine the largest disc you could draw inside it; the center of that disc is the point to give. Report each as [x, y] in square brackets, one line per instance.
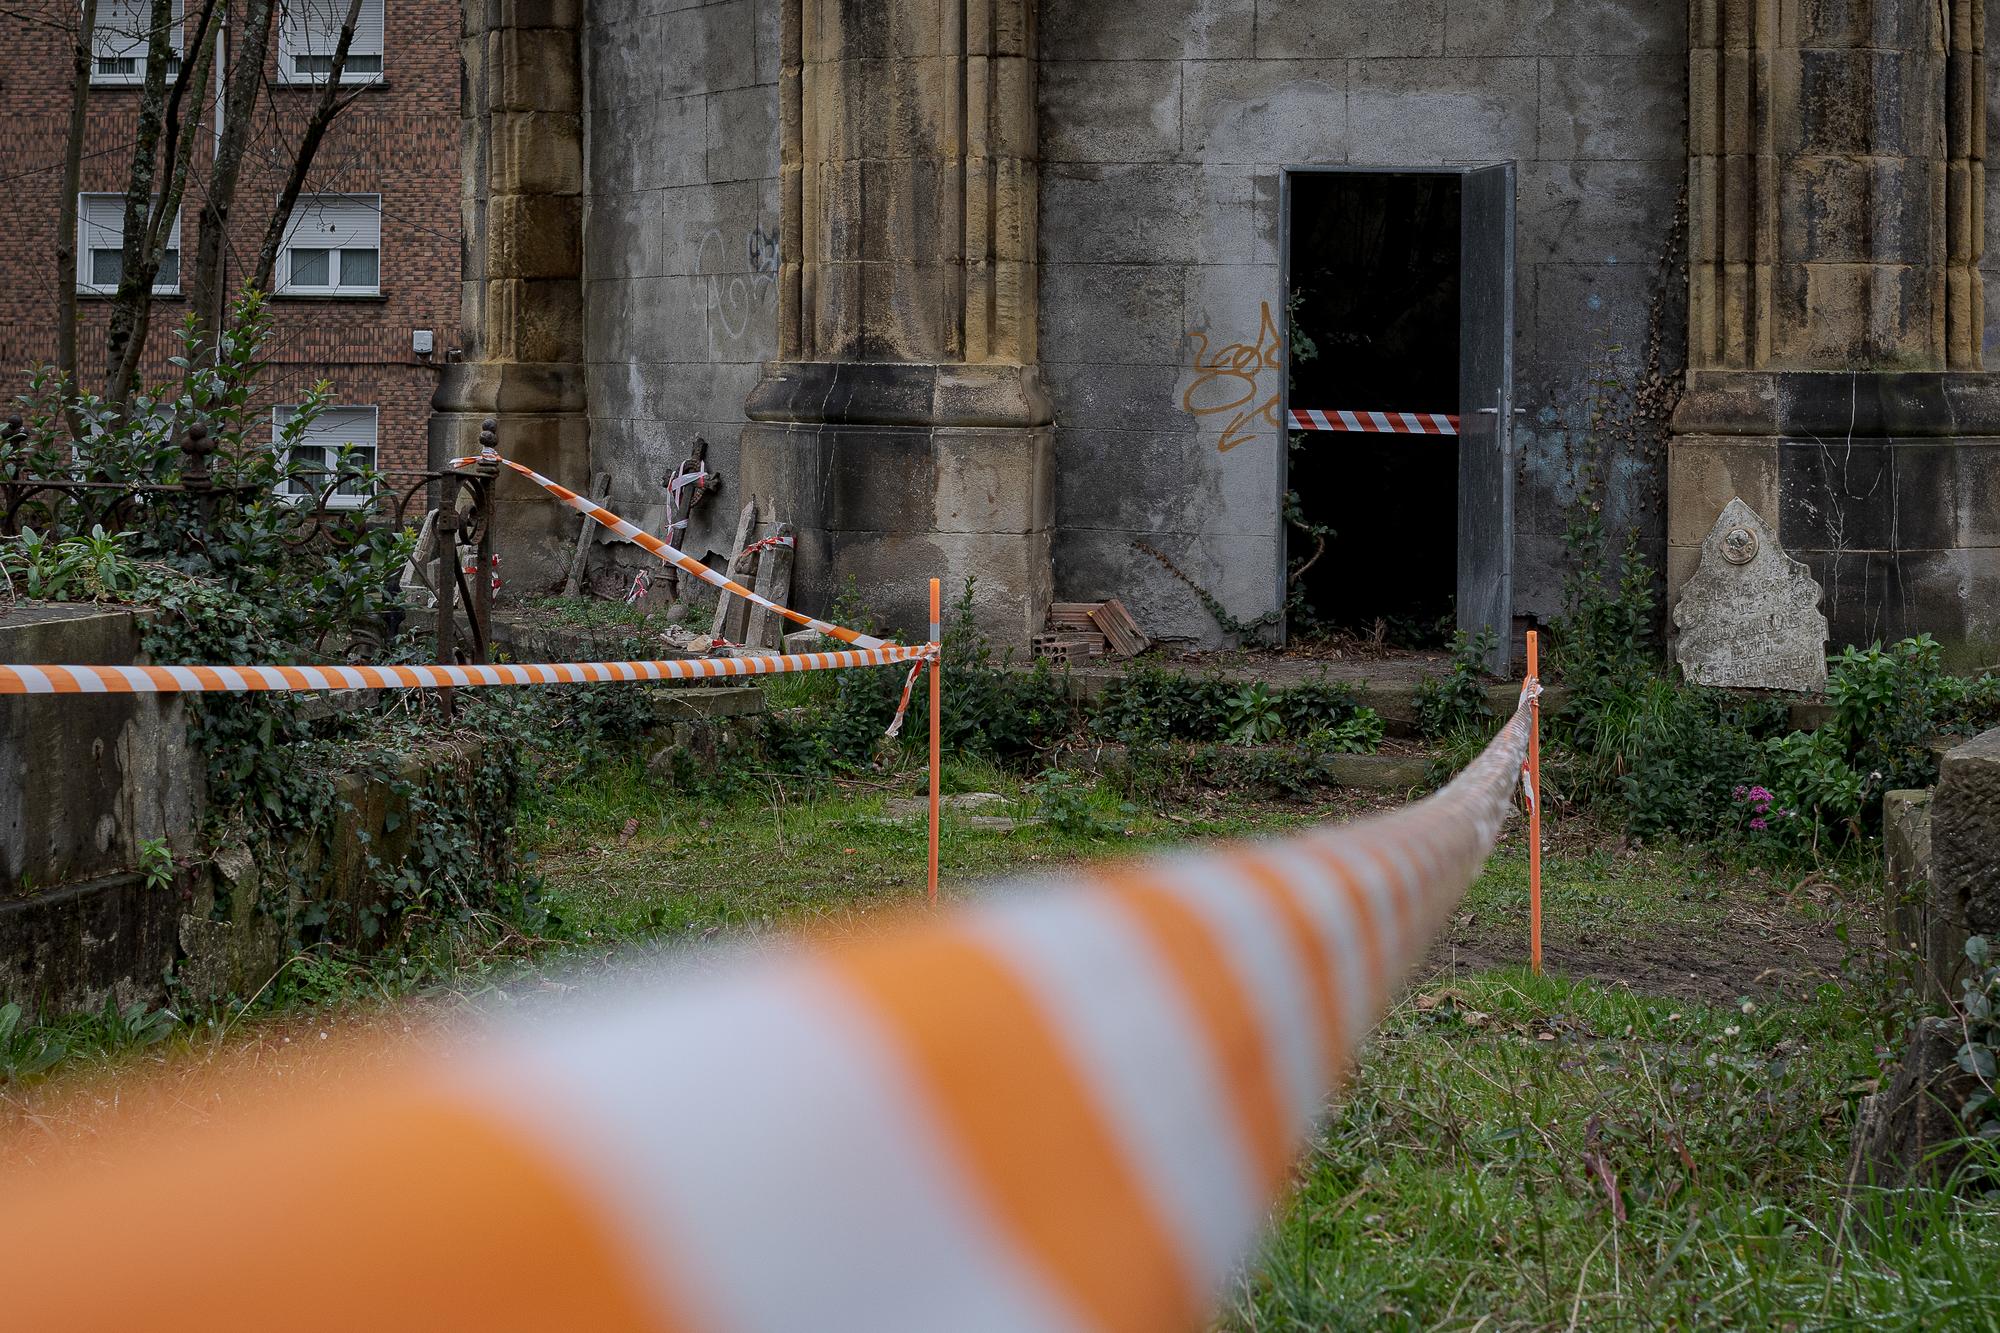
[312, 27]
[121, 28]
[124, 28]
[100, 225]
[336, 221]
[368, 29]
[102, 217]
[336, 428]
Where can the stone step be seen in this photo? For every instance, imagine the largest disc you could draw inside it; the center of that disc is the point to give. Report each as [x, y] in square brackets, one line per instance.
[688, 703]
[1367, 772]
[1393, 699]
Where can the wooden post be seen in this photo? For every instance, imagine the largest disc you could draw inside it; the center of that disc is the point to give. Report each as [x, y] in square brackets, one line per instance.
[600, 491]
[1534, 808]
[766, 629]
[937, 693]
[739, 566]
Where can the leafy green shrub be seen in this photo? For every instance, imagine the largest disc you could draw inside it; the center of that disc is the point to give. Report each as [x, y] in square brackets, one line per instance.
[1888, 705]
[1815, 796]
[1150, 704]
[1604, 643]
[1457, 699]
[1253, 716]
[835, 720]
[1063, 802]
[67, 569]
[990, 711]
[1979, 1056]
[1705, 763]
[1688, 754]
[1323, 705]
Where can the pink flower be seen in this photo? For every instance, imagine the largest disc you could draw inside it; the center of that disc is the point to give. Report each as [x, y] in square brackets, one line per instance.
[1740, 792]
[1759, 825]
[1761, 795]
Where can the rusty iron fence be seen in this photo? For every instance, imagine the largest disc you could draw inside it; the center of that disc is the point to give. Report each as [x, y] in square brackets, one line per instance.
[451, 508]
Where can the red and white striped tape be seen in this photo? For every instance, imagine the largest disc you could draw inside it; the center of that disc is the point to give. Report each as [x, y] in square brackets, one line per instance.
[1068, 1108]
[1383, 423]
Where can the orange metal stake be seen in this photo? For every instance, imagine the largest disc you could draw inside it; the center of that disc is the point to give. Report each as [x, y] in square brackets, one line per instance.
[1534, 808]
[937, 691]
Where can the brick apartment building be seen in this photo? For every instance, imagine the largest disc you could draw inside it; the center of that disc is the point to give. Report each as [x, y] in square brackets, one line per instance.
[367, 288]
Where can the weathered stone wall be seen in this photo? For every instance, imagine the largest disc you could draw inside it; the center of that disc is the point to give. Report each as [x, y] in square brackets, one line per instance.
[681, 240]
[1164, 127]
[1835, 319]
[84, 781]
[521, 295]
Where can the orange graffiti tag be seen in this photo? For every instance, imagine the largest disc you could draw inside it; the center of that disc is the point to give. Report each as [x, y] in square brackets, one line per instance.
[1236, 369]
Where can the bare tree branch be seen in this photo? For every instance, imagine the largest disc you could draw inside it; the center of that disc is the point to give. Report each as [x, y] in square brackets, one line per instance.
[133, 301]
[330, 105]
[177, 150]
[240, 99]
[66, 228]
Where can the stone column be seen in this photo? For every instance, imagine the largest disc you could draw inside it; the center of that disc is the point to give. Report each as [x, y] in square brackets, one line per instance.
[903, 430]
[521, 308]
[1835, 178]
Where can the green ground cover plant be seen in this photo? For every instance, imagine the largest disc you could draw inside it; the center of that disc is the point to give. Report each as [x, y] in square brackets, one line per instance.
[1536, 1152]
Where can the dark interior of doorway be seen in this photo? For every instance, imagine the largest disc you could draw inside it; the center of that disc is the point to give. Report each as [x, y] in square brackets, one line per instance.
[1374, 271]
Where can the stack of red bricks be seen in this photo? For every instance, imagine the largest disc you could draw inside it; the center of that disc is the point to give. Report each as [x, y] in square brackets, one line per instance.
[1079, 631]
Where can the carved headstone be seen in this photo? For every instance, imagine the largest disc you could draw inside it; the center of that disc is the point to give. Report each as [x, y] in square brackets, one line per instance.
[1750, 617]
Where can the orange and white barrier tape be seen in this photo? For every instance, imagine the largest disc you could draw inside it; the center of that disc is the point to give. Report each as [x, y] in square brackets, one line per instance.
[1065, 1108]
[18, 678]
[671, 554]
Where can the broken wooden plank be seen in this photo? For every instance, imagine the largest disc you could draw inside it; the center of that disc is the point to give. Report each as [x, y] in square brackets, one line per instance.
[600, 491]
[1072, 617]
[1120, 630]
[766, 629]
[739, 570]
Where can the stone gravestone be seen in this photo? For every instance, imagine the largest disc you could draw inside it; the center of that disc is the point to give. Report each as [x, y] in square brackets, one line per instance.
[1749, 618]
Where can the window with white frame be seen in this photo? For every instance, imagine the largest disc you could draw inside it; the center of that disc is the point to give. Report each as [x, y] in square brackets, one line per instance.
[316, 450]
[121, 38]
[309, 32]
[100, 247]
[332, 246]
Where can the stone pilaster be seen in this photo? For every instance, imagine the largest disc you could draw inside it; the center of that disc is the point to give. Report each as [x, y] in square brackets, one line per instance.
[521, 307]
[1965, 184]
[903, 429]
[1835, 178]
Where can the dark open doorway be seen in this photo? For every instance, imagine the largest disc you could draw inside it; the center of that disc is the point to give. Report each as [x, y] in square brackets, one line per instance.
[1374, 294]
[1400, 390]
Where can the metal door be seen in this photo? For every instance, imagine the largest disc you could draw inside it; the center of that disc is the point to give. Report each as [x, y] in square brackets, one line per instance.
[1485, 409]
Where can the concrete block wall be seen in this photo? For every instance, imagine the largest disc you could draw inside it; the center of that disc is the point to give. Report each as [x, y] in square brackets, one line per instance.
[1164, 126]
[680, 239]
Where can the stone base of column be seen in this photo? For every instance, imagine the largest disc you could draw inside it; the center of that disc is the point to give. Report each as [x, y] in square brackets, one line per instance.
[539, 413]
[894, 474]
[1886, 485]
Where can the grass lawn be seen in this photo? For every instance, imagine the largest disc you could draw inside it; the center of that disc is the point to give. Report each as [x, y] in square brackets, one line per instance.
[1520, 1152]
[1653, 1135]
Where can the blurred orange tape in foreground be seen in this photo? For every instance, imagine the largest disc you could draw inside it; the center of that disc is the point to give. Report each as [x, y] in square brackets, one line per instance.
[1065, 1107]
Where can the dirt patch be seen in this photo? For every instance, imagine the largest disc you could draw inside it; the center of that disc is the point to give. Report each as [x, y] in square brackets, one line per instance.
[1759, 949]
